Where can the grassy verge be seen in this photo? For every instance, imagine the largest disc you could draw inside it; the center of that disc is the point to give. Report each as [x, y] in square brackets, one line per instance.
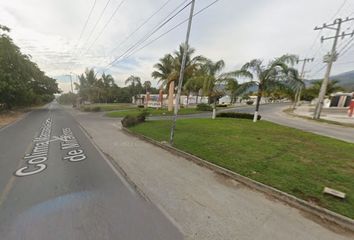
[110, 106]
[288, 159]
[152, 112]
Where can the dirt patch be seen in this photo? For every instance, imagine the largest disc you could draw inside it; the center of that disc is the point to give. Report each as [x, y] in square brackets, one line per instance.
[227, 181]
[9, 117]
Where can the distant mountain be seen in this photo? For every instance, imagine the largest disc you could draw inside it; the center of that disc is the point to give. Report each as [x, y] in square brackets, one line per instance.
[346, 80]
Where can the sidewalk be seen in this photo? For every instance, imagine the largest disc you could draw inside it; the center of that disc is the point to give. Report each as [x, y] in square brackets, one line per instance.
[204, 205]
[305, 111]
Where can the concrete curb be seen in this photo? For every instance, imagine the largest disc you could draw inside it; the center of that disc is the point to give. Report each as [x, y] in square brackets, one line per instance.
[324, 214]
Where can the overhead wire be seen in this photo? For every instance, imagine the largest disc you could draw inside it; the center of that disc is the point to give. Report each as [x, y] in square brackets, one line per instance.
[95, 26]
[105, 26]
[147, 36]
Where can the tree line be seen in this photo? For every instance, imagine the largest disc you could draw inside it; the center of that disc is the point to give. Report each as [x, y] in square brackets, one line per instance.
[22, 83]
[103, 89]
[274, 79]
[206, 77]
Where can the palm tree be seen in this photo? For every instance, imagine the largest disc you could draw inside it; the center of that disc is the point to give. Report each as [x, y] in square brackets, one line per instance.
[168, 70]
[108, 83]
[278, 73]
[135, 85]
[232, 86]
[87, 87]
[167, 75]
[210, 74]
[193, 85]
[147, 86]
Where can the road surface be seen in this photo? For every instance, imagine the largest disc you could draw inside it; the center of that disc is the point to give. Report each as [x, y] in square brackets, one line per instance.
[55, 184]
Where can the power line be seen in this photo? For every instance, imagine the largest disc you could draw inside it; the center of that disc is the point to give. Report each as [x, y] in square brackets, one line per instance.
[171, 29]
[83, 29]
[330, 58]
[99, 19]
[147, 20]
[87, 20]
[147, 36]
[105, 26]
[144, 23]
[344, 51]
[339, 9]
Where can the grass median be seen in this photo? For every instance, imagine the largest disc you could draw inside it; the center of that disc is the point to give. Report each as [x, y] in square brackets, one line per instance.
[152, 112]
[294, 161]
[105, 107]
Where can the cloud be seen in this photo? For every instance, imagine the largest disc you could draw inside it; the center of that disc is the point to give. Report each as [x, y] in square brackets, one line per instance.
[234, 30]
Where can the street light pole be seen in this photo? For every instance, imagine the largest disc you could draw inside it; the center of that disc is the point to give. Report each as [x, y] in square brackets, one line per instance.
[181, 74]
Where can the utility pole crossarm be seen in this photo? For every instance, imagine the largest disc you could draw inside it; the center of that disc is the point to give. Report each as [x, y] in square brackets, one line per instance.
[329, 26]
[331, 57]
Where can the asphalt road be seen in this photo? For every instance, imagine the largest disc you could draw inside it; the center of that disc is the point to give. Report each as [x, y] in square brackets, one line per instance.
[274, 113]
[55, 184]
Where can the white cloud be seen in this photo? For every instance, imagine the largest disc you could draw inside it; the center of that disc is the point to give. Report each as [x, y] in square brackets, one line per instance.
[233, 30]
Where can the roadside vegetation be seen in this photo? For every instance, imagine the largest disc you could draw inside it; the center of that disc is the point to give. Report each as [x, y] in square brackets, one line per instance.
[151, 112]
[297, 162]
[203, 77]
[22, 83]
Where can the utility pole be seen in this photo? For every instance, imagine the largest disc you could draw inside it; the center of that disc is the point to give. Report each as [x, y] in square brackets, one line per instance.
[71, 81]
[181, 74]
[330, 58]
[302, 77]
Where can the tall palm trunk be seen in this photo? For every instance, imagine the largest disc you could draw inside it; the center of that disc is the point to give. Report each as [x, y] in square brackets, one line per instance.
[171, 91]
[258, 101]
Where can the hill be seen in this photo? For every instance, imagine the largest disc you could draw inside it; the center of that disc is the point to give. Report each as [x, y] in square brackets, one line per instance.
[346, 80]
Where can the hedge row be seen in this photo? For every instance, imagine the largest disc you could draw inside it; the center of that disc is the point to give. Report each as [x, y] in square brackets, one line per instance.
[237, 115]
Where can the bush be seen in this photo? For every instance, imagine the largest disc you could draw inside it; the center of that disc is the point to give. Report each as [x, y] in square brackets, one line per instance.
[204, 107]
[249, 102]
[90, 109]
[221, 105]
[141, 106]
[95, 109]
[237, 115]
[129, 121]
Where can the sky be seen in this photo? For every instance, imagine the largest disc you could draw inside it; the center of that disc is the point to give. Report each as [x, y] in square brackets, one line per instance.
[55, 35]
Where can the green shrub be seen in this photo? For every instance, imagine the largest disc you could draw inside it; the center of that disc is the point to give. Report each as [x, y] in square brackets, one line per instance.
[90, 109]
[249, 102]
[141, 106]
[221, 105]
[204, 107]
[95, 109]
[129, 121]
[237, 115]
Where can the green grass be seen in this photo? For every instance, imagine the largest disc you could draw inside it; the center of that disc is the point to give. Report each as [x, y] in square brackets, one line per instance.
[153, 112]
[112, 106]
[288, 159]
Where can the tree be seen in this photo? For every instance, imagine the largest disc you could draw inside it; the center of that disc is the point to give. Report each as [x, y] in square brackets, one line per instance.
[22, 83]
[108, 86]
[278, 73]
[147, 86]
[168, 70]
[167, 74]
[209, 73]
[135, 85]
[312, 92]
[88, 86]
